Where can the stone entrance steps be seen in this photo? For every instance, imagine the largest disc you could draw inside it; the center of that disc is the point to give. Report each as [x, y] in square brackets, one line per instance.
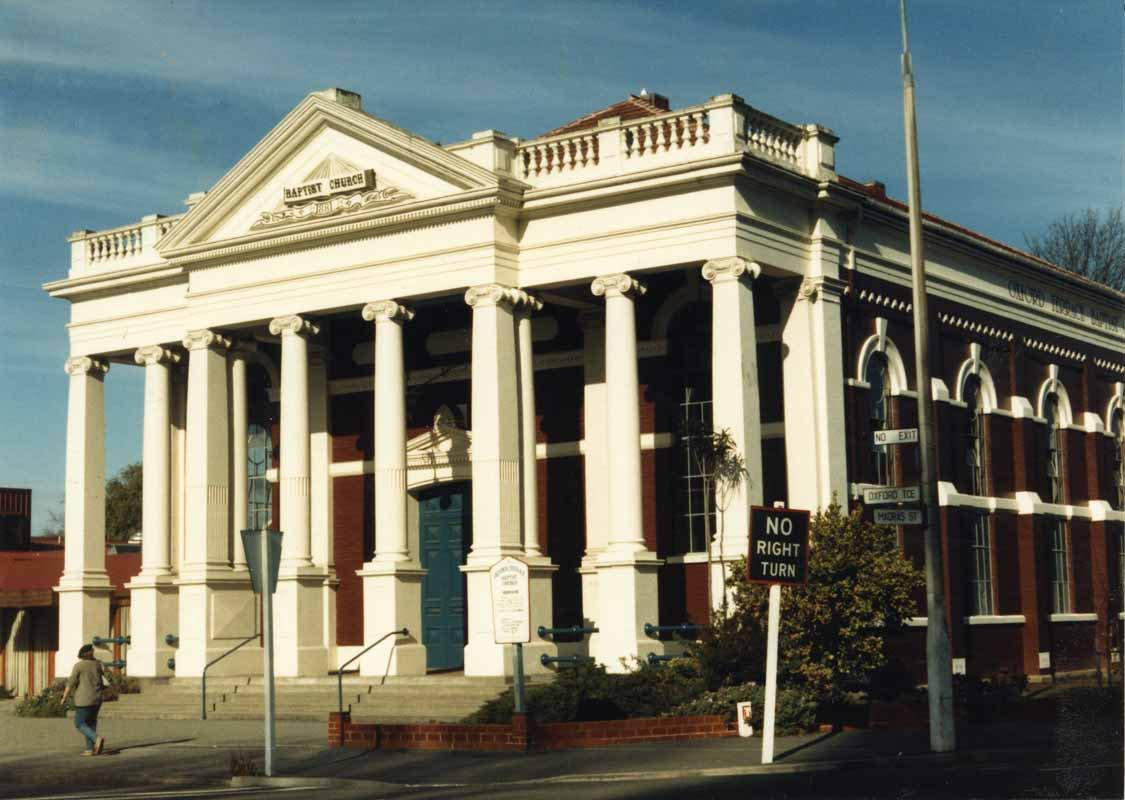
[444, 698]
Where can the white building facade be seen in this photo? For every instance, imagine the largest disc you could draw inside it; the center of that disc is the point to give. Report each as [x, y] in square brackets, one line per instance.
[416, 359]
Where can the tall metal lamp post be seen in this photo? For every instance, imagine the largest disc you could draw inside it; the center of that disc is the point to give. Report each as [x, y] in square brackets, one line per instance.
[939, 667]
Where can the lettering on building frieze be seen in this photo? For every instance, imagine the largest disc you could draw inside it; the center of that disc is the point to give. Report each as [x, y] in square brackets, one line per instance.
[1064, 306]
[329, 196]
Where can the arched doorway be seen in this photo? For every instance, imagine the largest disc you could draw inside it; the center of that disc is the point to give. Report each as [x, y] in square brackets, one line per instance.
[444, 537]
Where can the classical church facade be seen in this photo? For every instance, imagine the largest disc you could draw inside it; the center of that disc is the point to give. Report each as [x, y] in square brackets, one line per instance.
[415, 359]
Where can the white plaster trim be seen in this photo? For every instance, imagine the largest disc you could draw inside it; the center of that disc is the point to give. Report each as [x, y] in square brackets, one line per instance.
[858, 384]
[687, 558]
[1052, 385]
[906, 393]
[974, 366]
[1092, 423]
[1116, 402]
[917, 622]
[1029, 503]
[1021, 407]
[1102, 511]
[939, 390]
[948, 496]
[996, 619]
[1074, 618]
[878, 342]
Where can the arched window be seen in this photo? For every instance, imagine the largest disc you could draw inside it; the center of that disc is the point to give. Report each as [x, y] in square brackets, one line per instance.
[259, 492]
[689, 358]
[878, 378]
[980, 600]
[1060, 570]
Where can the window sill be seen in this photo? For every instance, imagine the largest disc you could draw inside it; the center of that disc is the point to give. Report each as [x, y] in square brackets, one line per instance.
[996, 619]
[687, 558]
[1074, 618]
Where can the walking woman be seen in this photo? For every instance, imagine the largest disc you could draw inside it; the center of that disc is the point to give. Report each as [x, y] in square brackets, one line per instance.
[86, 682]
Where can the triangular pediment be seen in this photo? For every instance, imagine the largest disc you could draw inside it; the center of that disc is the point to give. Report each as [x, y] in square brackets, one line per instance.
[445, 442]
[326, 162]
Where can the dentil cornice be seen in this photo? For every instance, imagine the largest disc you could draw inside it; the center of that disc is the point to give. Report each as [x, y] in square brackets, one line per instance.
[387, 311]
[619, 285]
[203, 339]
[731, 269]
[293, 325]
[155, 354]
[86, 365]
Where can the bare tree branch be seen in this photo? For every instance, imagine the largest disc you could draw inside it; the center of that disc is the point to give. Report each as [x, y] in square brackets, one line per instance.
[1085, 243]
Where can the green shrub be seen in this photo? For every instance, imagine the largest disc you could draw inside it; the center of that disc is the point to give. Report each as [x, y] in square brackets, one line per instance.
[587, 693]
[731, 651]
[795, 712]
[977, 690]
[48, 703]
[6, 693]
[242, 764]
[860, 590]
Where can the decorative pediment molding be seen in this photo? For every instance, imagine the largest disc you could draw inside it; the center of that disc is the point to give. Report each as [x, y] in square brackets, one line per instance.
[269, 157]
[440, 455]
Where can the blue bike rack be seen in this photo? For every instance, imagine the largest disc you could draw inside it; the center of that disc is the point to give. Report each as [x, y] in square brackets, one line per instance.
[172, 640]
[117, 664]
[573, 630]
[171, 662]
[98, 641]
[654, 658]
[684, 629]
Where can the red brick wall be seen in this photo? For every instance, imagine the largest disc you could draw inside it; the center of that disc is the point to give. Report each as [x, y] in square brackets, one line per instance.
[352, 520]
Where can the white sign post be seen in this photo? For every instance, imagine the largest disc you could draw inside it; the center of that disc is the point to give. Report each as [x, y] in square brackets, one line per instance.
[771, 673]
[511, 614]
[898, 436]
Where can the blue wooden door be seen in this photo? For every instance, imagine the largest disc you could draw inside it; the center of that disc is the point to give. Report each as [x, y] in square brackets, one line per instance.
[443, 528]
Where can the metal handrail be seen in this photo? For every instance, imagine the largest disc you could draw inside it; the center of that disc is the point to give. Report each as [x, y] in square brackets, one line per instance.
[340, 671]
[215, 661]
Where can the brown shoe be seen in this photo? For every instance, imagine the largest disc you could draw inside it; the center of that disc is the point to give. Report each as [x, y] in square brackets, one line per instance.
[99, 745]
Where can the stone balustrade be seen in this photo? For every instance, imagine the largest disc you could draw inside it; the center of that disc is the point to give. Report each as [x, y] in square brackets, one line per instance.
[724, 125]
[119, 248]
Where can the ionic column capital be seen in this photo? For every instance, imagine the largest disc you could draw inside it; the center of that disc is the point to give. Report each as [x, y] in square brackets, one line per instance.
[721, 270]
[491, 294]
[155, 354]
[293, 325]
[204, 339]
[619, 285]
[86, 365]
[387, 311]
[822, 287]
[524, 303]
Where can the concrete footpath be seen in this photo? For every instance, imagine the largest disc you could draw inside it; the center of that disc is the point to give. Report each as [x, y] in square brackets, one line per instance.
[41, 755]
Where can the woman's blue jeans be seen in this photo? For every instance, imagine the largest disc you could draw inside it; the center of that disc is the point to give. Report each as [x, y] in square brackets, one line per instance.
[86, 720]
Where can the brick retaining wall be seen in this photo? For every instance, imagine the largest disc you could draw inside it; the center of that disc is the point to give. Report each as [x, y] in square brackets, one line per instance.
[522, 734]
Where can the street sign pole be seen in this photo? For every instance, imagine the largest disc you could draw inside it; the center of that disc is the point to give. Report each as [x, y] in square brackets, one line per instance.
[771, 673]
[939, 668]
[267, 629]
[517, 675]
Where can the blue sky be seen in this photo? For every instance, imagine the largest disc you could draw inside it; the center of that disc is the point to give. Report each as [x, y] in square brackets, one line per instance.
[109, 111]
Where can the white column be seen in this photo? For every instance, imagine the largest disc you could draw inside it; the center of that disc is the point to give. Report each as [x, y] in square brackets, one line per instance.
[813, 374]
[595, 447]
[495, 469]
[84, 587]
[299, 611]
[392, 580]
[239, 430]
[216, 607]
[320, 493]
[153, 599]
[529, 468]
[734, 404]
[627, 569]
[540, 569]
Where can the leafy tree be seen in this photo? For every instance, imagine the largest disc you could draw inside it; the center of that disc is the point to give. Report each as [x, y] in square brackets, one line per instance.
[123, 494]
[860, 591]
[55, 524]
[1087, 244]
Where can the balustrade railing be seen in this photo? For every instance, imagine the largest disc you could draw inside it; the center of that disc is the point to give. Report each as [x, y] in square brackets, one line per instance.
[558, 154]
[665, 133]
[773, 137]
[120, 246]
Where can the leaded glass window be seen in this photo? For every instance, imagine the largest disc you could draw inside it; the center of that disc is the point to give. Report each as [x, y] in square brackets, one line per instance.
[259, 493]
[1119, 456]
[878, 415]
[1054, 448]
[697, 511]
[974, 446]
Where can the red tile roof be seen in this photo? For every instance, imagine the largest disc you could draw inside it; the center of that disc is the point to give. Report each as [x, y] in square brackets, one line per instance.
[877, 191]
[635, 107]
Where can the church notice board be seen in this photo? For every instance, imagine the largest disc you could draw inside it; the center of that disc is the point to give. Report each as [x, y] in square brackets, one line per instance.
[779, 546]
[511, 601]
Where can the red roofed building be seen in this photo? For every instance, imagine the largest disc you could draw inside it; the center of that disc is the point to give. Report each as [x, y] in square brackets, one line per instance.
[416, 359]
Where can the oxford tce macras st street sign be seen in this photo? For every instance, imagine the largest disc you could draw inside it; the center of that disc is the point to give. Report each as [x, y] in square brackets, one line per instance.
[884, 495]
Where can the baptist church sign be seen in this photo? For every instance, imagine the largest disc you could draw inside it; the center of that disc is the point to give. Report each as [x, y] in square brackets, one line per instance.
[326, 187]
